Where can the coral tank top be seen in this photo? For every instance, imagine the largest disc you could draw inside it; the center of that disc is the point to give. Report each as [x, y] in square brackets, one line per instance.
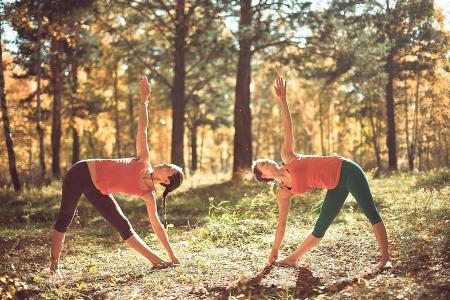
[311, 172]
[119, 175]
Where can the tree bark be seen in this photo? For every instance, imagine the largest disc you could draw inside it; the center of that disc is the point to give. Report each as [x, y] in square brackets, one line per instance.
[116, 110]
[202, 143]
[39, 129]
[374, 139]
[6, 125]
[73, 99]
[391, 134]
[322, 143]
[132, 130]
[194, 146]
[415, 124]
[56, 87]
[178, 87]
[242, 115]
[408, 143]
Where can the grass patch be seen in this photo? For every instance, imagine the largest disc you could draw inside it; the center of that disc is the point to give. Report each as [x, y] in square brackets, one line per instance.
[222, 233]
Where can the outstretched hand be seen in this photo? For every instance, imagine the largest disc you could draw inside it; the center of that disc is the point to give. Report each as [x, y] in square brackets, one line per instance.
[144, 86]
[280, 88]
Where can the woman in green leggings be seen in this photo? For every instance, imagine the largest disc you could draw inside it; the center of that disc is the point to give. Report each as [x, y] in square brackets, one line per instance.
[300, 173]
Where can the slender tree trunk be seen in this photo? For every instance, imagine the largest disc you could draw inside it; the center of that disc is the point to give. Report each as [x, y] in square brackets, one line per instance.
[116, 110]
[178, 88]
[56, 86]
[322, 142]
[374, 139]
[6, 125]
[194, 146]
[329, 145]
[408, 144]
[73, 100]
[242, 156]
[391, 135]
[39, 129]
[258, 135]
[202, 142]
[131, 119]
[415, 124]
[30, 154]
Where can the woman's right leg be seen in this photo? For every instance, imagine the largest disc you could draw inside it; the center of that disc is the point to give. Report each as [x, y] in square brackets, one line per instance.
[359, 187]
[71, 192]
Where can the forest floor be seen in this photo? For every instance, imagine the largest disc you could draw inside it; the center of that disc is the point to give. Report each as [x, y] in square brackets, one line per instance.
[222, 233]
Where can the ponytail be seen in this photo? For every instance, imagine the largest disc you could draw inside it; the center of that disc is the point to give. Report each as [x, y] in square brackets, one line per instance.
[163, 206]
[175, 181]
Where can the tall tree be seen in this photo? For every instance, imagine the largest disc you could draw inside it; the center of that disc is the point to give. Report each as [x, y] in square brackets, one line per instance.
[6, 125]
[260, 26]
[185, 40]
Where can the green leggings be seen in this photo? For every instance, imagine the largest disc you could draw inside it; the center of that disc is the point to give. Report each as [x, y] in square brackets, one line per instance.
[352, 180]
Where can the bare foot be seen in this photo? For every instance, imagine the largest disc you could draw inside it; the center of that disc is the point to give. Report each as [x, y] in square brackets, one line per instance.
[54, 270]
[162, 265]
[385, 264]
[55, 274]
[286, 262]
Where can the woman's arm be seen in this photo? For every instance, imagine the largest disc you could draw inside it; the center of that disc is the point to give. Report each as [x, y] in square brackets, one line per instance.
[287, 149]
[284, 203]
[142, 151]
[157, 227]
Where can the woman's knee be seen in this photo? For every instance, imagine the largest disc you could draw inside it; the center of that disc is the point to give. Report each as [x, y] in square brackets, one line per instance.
[63, 222]
[319, 230]
[126, 233]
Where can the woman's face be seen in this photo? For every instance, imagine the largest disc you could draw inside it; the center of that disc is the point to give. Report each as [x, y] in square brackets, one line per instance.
[164, 171]
[267, 167]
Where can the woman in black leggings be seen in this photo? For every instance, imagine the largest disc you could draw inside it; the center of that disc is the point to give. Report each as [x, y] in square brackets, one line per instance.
[97, 179]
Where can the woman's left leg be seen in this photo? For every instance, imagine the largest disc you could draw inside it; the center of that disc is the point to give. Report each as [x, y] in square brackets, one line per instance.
[359, 187]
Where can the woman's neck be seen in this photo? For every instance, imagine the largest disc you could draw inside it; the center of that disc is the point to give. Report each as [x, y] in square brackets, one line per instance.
[283, 176]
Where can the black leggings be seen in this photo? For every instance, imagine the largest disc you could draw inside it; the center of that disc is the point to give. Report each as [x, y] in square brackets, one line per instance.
[78, 181]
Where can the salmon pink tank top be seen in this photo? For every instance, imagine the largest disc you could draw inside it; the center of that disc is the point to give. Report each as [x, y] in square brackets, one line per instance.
[311, 172]
[119, 175]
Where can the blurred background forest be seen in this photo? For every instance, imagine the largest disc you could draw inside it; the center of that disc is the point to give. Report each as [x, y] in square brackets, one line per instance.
[368, 80]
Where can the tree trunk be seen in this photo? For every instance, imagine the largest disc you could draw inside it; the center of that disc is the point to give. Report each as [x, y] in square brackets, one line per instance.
[178, 88]
[415, 124]
[6, 126]
[202, 142]
[73, 100]
[242, 156]
[39, 129]
[56, 87]
[322, 145]
[131, 118]
[374, 139]
[391, 138]
[194, 146]
[408, 144]
[30, 153]
[116, 110]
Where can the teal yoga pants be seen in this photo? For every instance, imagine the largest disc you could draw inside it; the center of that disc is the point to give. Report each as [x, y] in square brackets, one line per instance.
[354, 181]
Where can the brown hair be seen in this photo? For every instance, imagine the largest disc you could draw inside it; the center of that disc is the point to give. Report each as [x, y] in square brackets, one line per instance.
[258, 173]
[175, 181]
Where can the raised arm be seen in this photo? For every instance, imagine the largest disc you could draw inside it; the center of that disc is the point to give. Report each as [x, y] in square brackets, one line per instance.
[284, 203]
[287, 149]
[150, 202]
[142, 151]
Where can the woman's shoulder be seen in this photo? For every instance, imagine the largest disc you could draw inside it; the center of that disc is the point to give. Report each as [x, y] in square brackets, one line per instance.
[291, 159]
